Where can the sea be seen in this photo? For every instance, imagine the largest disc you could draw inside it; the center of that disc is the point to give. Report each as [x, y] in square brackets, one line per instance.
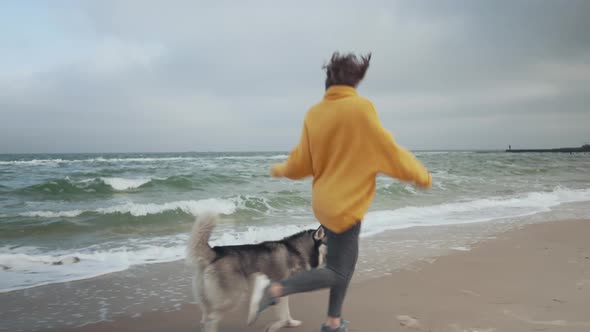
[115, 211]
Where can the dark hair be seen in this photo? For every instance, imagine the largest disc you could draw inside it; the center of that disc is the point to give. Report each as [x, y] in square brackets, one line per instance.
[346, 69]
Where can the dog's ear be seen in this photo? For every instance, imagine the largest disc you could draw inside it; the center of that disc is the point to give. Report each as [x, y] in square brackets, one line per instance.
[319, 234]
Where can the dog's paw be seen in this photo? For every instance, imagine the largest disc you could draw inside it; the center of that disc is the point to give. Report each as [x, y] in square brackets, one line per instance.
[273, 327]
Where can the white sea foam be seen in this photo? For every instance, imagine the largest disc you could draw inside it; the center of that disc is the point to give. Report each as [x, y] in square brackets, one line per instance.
[33, 162]
[470, 211]
[125, 184]
[256, 234]
[52, 214]
[194, 207]
[242, 200]
[28, 267]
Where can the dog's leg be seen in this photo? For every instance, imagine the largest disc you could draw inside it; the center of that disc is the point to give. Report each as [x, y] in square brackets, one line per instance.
[200, 301]
[196, 293]
[284, 316]
[212, 322]
[203, 316]
[287, 314]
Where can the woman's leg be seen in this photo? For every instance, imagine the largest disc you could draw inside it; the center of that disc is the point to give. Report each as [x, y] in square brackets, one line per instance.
[340, 265]
[343, 264]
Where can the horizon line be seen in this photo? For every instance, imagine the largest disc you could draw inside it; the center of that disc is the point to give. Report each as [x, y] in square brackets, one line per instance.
[222, 151]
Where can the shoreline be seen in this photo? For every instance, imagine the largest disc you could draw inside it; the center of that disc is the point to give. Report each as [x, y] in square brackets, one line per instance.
[164, 289]
[462, 235]
[565, 211]
[29, 262]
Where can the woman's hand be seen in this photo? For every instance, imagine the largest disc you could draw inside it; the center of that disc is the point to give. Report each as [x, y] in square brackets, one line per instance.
[277, 170]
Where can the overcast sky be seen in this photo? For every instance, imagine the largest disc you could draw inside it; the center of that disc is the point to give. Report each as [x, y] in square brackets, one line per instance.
[100, 76]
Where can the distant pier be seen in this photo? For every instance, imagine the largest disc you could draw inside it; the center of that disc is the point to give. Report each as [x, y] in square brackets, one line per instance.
[584, 148]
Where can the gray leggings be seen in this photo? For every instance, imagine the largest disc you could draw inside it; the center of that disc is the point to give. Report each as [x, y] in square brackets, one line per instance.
[343, 251]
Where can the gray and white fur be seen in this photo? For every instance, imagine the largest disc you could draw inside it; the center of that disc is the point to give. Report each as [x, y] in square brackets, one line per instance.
[224, 274]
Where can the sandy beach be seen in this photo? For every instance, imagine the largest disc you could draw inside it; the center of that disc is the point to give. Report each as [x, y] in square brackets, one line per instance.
[536, 278]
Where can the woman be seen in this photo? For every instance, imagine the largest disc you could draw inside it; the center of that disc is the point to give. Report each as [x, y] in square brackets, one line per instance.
[343, 147]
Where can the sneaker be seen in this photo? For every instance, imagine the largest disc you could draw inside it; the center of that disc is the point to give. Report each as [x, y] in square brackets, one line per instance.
[261, 298]
[342, 328]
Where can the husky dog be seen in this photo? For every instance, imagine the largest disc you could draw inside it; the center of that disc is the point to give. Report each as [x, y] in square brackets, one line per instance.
[224, 274]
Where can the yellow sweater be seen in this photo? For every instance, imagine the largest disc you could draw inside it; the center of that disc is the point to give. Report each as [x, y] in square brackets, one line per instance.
[344, 146]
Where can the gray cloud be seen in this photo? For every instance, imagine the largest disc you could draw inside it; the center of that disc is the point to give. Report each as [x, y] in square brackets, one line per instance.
[150, 76]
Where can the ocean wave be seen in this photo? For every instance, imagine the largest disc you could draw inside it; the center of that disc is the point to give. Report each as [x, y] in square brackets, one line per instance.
[52, 214]
[33, 162]
[397, 188]
[106, 185]
[192, 207]
[68, 186]
[153, 218]
[425, 153]
[58, 161]
[253, 203]
[125, 184]
[65, 187]
[471, 211]
[227, 206]
[260, 157]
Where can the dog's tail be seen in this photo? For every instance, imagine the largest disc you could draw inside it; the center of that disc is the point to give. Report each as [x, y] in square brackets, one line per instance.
[198, 251]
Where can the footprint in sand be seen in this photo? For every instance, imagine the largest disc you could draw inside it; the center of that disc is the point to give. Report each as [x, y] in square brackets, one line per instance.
[409, 322]
[413, 323]
[580, 284]
[557, 322]
[470, 292]
[457, 328]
